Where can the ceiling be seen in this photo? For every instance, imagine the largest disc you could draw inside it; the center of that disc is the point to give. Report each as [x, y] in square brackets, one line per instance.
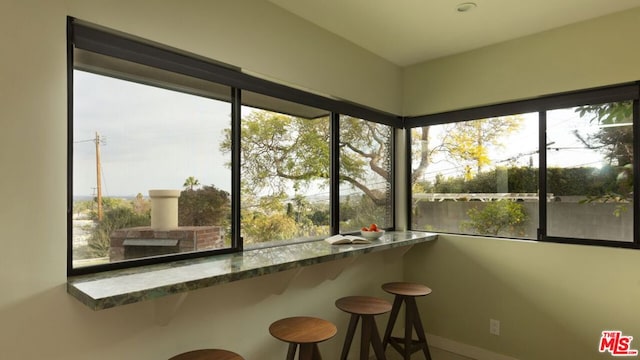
[406, 32]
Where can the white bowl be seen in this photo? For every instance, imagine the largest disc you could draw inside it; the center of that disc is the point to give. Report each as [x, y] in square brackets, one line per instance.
[372, 235]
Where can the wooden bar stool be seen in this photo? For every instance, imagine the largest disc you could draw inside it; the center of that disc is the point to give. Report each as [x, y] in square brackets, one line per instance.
[364, 307]
[407, 293]
[304, 331]
[208, 354]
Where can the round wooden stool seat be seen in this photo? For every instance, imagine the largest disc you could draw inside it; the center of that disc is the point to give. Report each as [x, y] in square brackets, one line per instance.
[406, 292]
[208, 354]
[406, 289]
[304, 331]
[365, 308]
[363, 305]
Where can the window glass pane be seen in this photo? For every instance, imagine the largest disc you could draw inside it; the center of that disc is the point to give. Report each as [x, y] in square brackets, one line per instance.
[589, 172]
[135, 130]
[365, 174]
[284, 171]
[477, 177]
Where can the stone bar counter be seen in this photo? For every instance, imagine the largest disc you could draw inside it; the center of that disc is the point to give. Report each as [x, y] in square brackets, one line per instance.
[120, 287]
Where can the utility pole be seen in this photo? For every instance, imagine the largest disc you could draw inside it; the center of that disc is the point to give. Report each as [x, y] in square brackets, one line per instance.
[98, 176]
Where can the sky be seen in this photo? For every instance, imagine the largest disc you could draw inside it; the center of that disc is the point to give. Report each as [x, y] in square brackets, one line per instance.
[153, 138]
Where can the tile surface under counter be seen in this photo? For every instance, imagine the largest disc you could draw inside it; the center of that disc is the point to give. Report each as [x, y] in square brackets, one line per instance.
[114, 288]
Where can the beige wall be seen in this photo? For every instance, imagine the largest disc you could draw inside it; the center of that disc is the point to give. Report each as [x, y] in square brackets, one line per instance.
[260, 38]
[553, 300]
[589, 54]
[38, 320]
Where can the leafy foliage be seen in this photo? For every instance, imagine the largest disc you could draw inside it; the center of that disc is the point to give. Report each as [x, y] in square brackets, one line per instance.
[356, 211]
[496, 217]
[467, 143]
[205, 206]
[118, 214]
[191, 182]
[258, 227]
[615, 140]
[280, 152]
[585, 181]
[284, 156]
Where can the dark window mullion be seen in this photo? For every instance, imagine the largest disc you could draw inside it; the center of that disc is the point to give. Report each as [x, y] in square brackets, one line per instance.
[236, 108]
[636, 171]
[408, 175]
[334, 176]
[542, 175]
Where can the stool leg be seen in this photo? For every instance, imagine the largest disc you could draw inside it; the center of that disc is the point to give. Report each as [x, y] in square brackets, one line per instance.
[353, 322]
[316, 352]
[308, 352]
[397, 302]
[408, 329]
[376, 342]
[365, 337]
[291, 353]
[417, 323]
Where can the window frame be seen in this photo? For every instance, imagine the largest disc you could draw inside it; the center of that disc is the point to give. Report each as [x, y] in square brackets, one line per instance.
[600, 95]
[100, 40]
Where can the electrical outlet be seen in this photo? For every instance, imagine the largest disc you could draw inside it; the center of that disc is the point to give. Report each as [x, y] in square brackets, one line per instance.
[494, 327]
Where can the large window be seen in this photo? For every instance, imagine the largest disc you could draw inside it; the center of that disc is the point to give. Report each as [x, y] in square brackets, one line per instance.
[590, 172]
[365, 174]
[563, 173]
[149, 178]
[173, 156]
[477, 177]
[285, 170]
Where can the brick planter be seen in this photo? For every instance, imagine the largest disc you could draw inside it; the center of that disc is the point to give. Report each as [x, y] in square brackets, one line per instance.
[142, 241]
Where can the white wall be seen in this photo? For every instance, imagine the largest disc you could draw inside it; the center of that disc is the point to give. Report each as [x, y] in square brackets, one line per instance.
[38, 319]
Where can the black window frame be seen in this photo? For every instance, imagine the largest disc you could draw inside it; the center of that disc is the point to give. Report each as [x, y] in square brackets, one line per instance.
[97, 39]
[620, 92]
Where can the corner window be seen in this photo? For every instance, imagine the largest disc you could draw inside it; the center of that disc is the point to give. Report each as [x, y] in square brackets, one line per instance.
[563, 173]
[477, 177]
[172, 156]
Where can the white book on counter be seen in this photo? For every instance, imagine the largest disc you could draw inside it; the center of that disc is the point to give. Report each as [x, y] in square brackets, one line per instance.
[346, 239]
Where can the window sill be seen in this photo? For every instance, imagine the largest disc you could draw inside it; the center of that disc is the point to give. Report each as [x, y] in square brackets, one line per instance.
[121, 287]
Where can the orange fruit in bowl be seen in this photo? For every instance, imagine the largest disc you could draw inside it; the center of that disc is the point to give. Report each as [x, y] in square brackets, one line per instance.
[373, 227]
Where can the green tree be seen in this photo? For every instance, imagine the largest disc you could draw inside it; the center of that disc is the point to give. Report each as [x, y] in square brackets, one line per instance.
[464, 143]
[141, 205]
[468, 142]
[282, 154]
[615, 140]
[280, 150]
[258, 226]
[118, 214]
[496, 217]
[205, 206]
[615, 136]
[190, 183]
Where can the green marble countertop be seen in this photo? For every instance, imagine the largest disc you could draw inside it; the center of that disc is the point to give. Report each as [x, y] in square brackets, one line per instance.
[115, 288]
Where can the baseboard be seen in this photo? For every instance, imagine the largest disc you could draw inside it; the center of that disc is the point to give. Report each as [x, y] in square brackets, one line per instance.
[469, 351]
